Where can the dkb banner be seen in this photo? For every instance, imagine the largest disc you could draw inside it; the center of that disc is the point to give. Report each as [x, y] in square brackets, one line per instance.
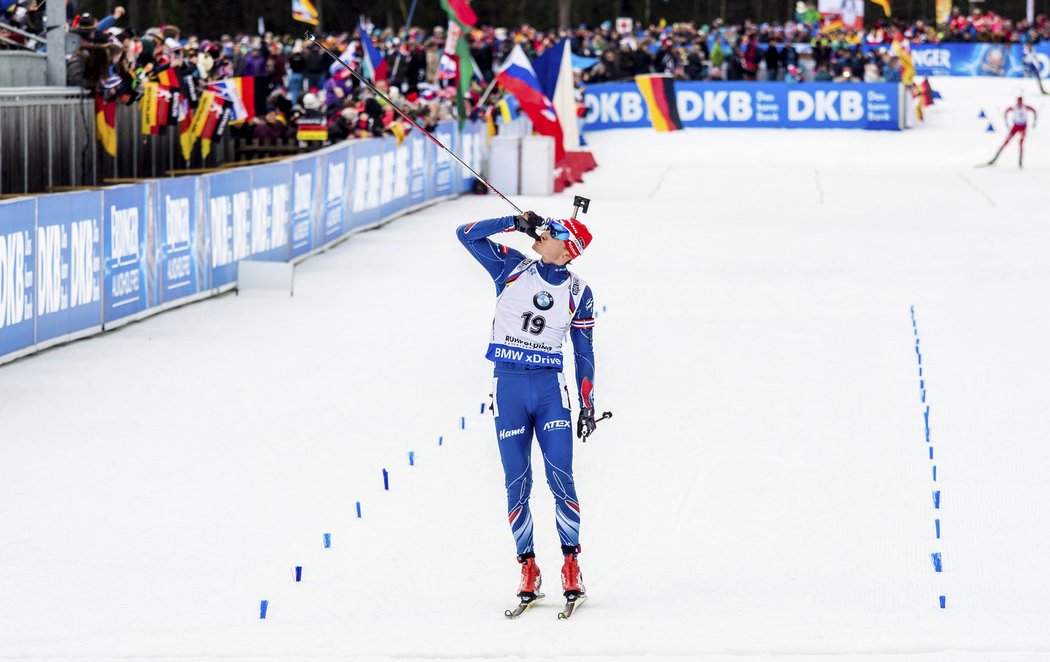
[127, 247]
[365, 191]
[16, 275]
[469, 149]
[335, 175]
[870, 106]
[68, 275]
[447, 134]
[180, 239]
[271, 212]
[416, 147]
[228, 207]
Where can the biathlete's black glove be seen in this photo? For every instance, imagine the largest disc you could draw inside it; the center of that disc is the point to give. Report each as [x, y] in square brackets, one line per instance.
[585, 425]
[528, 222]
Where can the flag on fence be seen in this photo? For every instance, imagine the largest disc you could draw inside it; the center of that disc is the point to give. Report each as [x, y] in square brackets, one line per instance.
[554, 71]
[517, 77]
[885, 4]
[106, 124]
[399, 131]
[186, 137]
[373, 61]
[312, 129]
[658, 92]
[148, 108]
[209, 122]
[246, 96]
[305, 12]
[902, 50]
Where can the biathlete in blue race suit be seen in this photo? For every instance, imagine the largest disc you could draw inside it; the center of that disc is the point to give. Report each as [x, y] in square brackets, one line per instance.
[537, 303]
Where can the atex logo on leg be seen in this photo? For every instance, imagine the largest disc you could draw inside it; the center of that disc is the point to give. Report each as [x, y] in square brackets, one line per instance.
[554, 425]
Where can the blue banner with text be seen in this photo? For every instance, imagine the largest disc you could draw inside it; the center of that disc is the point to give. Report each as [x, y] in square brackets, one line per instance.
[870, 106]
[129, 258]
[180, 239]
[16, 275]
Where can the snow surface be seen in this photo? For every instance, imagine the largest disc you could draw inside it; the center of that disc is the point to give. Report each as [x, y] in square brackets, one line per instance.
[763, 490]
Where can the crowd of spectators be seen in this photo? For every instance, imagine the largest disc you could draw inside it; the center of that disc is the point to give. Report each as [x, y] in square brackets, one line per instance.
[303, 82]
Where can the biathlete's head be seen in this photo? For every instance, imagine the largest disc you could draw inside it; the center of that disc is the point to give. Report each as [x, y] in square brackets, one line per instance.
[562, 241]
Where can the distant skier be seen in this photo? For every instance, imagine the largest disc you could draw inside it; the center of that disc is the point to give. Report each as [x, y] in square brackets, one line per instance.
[1031, 66]
[1019, 112]
[538, 302]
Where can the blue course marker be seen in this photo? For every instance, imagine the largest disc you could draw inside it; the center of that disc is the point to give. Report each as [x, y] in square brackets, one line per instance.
[386, 480]
[937, 527]
[462, 422]
[941, 599]
[358, 510]
[411, 459]
[327, 540]
[482, 408]
[937, 499]
[263, 605]
[931, 452]
[441, 441]
[936, 556]
[935, 473]
[298, 573]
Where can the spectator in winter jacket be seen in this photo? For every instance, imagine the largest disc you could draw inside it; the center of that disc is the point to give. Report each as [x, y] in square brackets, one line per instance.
[254, 64]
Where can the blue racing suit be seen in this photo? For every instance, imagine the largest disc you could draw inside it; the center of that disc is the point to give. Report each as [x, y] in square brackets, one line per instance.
[532, 399]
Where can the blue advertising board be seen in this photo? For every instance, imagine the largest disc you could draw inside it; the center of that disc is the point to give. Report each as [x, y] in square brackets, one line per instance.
[335, 177]
[415, 147]
[961, 59]
[393, 193]
[16, 275]
[128, 255]
[469, 148]
[366, 189]
[68, 274]
[306, 201]
[443, 171]
[227, 207]
[271, 212]
[179, 239]
[871, 106]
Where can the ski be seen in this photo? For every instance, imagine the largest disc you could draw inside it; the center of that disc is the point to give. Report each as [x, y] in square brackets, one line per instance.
[572, 603]
[523, 606]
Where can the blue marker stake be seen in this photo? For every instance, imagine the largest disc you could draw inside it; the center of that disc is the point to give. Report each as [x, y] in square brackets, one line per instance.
[937, 527]
[327, 540]
[441, 441]
[358, 510]
[924, 396]
[935, 473]
[411, 459]
[920, 371]
[937, 499]
[262, 608]
[298, 573]
[462, 422]
[603, 309]
[386, 480]
[922, 384]
[941, 598]
[936, 556]
[931, 452]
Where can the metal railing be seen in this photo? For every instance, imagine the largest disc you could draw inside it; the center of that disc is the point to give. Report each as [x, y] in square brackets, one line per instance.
[47, 139]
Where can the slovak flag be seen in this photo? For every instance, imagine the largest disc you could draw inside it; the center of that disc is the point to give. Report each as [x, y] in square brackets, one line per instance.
[517, 77]
[374, 63]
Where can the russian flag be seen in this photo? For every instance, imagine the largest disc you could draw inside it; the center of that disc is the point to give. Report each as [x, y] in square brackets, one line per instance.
[517, 77]
[374, 63]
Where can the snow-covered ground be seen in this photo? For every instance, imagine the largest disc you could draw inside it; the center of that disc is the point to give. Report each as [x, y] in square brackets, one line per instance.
[764, 489]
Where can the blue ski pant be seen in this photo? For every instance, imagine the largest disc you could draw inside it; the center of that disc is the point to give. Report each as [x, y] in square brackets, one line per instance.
[527, 402]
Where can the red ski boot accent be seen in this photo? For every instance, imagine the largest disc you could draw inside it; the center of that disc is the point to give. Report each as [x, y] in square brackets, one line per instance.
[571, 577]
[530, 577]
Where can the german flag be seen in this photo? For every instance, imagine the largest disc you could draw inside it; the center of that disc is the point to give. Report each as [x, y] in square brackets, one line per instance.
[106, 124]
[312, 129]
[148, 106]
[210, 120]
[658, 92]
[252, 90]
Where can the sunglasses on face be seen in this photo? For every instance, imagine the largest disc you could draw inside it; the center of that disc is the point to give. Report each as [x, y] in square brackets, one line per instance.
[557, 230]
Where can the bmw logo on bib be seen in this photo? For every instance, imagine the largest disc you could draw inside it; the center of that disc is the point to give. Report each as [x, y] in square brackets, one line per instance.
[543, 300]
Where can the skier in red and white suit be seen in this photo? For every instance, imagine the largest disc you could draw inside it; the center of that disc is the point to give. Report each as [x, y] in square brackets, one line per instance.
[1018, 126]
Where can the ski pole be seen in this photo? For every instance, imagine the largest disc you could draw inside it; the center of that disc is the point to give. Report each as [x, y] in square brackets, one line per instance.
[359, 77]
[604, 416]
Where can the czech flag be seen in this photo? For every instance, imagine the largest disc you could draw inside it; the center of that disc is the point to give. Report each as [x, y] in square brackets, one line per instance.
[658, 92]
[517, 77]
[374, 62]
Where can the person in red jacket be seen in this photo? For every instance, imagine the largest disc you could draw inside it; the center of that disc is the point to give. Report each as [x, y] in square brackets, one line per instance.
[1018, 124]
